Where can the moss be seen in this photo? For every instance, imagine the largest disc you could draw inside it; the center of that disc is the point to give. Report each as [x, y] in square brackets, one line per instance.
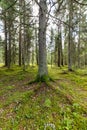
[43, 78]
[62, 103]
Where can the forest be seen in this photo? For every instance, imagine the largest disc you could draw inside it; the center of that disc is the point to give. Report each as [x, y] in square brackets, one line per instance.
[43, 64]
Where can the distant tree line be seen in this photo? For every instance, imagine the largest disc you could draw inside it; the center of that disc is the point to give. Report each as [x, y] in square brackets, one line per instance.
[56, 35]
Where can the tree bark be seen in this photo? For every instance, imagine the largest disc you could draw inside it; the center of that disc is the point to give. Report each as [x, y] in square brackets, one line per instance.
[6, 51]
[9, 45]
[70, 36]
[20, 34]
[61, 52]
[42, 71]
[20, 43]
[36, 46]
[79, 42]
[59, 47]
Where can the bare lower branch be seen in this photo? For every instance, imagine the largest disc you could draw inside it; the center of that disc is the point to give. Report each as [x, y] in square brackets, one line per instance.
[80, 3]
[11, 5]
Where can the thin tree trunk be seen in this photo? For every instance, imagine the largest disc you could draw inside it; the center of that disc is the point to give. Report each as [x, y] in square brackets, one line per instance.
[59, 48]
[9, 46]
[79, 43]
[20, 36]
[20, 43]
[55, 53]
[51, 59]
[36, 47]
[70, 36]
[24, 38]
[61, 54]
[28, 49]
[6, 51]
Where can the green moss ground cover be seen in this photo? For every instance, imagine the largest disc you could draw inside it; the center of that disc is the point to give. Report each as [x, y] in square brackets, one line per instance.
[62, 103]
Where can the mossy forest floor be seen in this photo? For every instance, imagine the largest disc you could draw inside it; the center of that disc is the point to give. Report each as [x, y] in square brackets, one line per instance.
[58, 105]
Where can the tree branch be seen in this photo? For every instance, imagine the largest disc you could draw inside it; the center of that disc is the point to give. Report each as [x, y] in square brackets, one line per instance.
[11, 5]
[80, 3]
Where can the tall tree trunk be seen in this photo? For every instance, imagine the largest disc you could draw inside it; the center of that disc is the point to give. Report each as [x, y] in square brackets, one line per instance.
[9, 45]
[70, 36]
[20, 35]
[51, 59]
[61, 53]
[6, 51]
[28, 49]
[51, 43]
[85, 54]
[42, 39]
[24, 37]
[32, 60]
[59, 48]
[79, 42]
[55, 52]
[20, 43]
[36, 46]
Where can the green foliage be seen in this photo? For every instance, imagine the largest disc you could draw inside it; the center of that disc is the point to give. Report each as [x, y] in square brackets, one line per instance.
[47, 103]
[10, 87]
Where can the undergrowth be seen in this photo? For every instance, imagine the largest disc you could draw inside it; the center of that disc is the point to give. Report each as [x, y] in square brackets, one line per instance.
[38, 106]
